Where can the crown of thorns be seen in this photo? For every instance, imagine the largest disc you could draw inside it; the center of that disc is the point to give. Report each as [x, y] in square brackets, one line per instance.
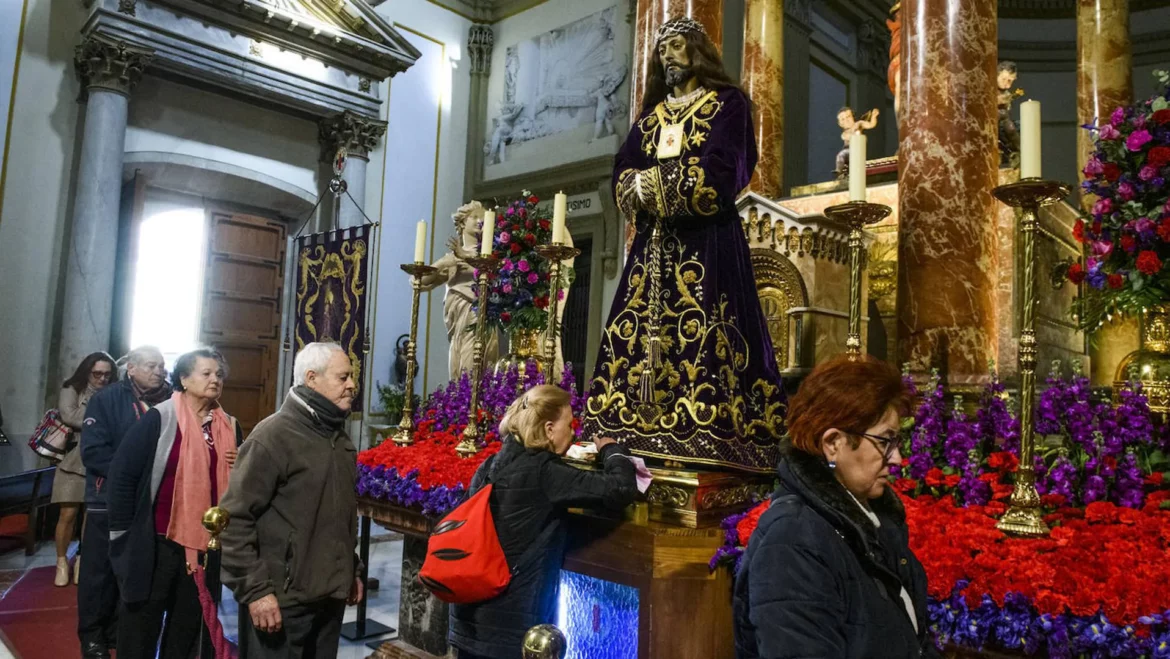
[678, 26]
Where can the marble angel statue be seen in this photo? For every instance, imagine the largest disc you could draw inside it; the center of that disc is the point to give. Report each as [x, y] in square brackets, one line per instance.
[605, 90]
[502, 132]
[458, 304]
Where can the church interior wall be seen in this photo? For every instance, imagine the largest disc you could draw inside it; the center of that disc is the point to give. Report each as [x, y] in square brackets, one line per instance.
[41, 149]
[417, 174]
[175, 118]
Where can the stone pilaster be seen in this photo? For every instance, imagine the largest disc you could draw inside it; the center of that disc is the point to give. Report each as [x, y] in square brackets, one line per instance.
[108, 70]
[763, 79]
[481, 41]
[358, 135]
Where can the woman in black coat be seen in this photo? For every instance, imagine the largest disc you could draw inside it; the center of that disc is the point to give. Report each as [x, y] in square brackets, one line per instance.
[532, 490]
[828, 573]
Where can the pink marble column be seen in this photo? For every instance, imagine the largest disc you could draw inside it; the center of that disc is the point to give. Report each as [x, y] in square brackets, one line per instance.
[651, 14]
[763, 80]
[948, 156]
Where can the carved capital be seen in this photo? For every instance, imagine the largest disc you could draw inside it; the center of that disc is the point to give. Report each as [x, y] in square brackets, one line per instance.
[105, 63]
[127, 6]
[357, 134]
[873, 48]
[800, 10]
[480, 42]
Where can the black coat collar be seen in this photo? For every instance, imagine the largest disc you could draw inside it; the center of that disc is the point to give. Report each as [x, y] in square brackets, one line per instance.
[810, 478]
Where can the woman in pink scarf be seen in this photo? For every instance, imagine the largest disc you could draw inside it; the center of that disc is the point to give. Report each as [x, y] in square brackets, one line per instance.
[171, 466]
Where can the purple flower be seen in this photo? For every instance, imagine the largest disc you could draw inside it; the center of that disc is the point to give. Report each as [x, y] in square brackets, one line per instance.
[1093, 168]
[1104, 206]
[1118, 116]
[1125, 191]
[523, 265]
[1107, 132]
[504, 237]
[507, 288]
[1148, 173]
[507, 265]
[533, 278]
[1137, 140]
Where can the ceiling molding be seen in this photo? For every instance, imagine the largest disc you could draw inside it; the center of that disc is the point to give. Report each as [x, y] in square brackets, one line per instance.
[1061, 8]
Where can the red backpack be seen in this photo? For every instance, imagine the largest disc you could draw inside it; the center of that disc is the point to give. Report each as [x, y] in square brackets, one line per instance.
[465, 563]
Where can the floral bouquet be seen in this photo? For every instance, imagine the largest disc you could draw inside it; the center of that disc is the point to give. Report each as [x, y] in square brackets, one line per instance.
[518, 296]
[1127, 235]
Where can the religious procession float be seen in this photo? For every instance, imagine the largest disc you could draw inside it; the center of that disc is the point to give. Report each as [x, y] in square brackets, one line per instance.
[1038, 508]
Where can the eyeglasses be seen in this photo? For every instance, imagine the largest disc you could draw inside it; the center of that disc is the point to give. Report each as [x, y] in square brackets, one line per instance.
[886, 445]
[100, 374]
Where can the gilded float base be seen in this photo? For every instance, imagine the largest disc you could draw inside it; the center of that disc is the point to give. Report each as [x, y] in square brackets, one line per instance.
[1023, 516]
[695, 499]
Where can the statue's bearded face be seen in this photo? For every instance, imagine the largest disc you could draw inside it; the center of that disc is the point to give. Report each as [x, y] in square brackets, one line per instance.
[675, 60]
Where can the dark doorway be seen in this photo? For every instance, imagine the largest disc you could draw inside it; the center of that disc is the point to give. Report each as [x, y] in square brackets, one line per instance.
[575, 335]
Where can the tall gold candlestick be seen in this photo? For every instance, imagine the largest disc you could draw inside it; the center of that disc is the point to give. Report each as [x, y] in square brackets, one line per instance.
[1023, 514]
[484, 265]
[554, 254]
[856, 215]
[404, 436]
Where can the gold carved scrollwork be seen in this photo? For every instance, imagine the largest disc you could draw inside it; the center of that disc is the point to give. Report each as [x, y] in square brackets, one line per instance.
[667, 495]
[780, 287]
[732, 496]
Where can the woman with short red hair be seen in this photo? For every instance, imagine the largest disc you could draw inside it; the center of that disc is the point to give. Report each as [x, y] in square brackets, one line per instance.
[829, 572]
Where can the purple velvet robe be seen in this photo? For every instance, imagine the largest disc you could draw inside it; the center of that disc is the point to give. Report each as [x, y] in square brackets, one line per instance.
[716, 396]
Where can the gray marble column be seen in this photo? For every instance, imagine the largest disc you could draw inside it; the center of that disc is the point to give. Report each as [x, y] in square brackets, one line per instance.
[358, 135]
[797, 30]
[108, 70]
[480, 42]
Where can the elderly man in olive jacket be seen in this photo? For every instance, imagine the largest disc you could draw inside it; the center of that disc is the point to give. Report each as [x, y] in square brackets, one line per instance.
[288, 549]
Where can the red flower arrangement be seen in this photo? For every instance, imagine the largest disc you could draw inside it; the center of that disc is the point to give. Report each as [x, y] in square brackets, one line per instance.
[432, 455]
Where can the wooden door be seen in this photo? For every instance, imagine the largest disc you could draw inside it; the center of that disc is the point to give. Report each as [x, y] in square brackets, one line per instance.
[241, 309]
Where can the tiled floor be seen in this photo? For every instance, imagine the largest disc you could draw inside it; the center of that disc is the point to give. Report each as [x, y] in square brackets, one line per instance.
[382, 606]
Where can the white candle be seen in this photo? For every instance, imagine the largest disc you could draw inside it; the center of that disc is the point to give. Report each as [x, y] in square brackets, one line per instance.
[420, 242]
[1030, 139]
[489, 233]
[857, 167]
[559, 204]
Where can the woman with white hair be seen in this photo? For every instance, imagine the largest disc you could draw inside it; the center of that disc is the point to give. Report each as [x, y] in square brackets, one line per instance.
[288, 551]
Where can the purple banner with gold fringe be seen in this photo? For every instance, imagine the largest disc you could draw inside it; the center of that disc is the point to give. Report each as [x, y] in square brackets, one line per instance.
[332, 272]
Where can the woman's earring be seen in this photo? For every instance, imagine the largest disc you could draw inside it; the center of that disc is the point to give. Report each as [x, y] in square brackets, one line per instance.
[832, 464]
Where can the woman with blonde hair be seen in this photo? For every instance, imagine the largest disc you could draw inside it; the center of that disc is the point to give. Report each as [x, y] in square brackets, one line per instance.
[532, 492]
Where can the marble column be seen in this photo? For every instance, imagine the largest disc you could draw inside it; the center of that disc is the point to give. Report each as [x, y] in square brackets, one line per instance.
[108, 69]
[358, 135]
[480, 44]
[1104, 82]
[797, 47]
[763, 80]
[651, 14]
[947, 167]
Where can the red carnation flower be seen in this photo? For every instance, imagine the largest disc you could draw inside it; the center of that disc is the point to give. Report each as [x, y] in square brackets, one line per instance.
[1079, 231]
[1159, 156]
[1155, 478]
[530, 239]
[1161, 117]
[1112, 172]
[1076, 273]
[952, 480]
[1116, 281]
[515, 248]
[543, 224]
[1003, 460]
[905, 485]
[1128, 242]
[934, 477]
[747, 525]
[1053, 500]
[1148, 262]
[505, 316]
[1164, 230]
[534, 199]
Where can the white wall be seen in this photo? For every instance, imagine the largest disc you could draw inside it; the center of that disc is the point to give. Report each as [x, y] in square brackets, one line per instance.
[172, 118]
[418, 175]
[41, 147]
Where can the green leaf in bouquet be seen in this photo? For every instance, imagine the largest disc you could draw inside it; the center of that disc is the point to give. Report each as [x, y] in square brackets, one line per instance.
[1160, 103]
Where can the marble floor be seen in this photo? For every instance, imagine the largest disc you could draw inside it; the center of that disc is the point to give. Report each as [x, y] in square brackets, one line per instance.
[382, 605]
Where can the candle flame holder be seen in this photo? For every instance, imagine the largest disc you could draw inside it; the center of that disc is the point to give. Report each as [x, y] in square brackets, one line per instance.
[856, 215]
[472, 433]
[554, 253]
[404, 436]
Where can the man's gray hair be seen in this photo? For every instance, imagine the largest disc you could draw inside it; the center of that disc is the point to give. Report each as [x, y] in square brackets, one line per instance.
[135, 356]
[313, 357]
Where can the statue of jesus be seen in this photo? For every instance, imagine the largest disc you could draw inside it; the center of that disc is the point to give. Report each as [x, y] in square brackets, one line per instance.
[686, 371]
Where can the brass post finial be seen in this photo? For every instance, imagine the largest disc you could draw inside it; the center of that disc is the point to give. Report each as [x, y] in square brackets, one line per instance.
[545, 642]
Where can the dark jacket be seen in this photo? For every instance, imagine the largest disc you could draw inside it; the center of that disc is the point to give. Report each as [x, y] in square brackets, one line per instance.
[293, 509]
[819, 581]
[532, 491]
[108, 416]
[132, 487]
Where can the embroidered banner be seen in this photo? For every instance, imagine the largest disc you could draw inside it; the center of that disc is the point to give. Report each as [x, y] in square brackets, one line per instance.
[332, 271]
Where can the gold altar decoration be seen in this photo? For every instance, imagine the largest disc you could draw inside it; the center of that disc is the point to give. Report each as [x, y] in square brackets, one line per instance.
[484, 266]
[1150, 363]
[215, 520]
[545, 642]
[1023, 516]
[523, 347]
[555, 254]
[405, 434]
[856, 215]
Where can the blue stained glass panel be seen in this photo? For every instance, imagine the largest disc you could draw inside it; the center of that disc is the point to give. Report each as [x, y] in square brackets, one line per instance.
[599, 618]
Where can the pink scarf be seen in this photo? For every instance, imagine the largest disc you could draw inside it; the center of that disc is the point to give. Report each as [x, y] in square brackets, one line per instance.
[192, 495]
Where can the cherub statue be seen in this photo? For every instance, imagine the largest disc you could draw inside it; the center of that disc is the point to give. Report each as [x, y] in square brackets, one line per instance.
[606, 88]
[849, 126]
[458, 313]
[1009, 135]
[502, 134]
